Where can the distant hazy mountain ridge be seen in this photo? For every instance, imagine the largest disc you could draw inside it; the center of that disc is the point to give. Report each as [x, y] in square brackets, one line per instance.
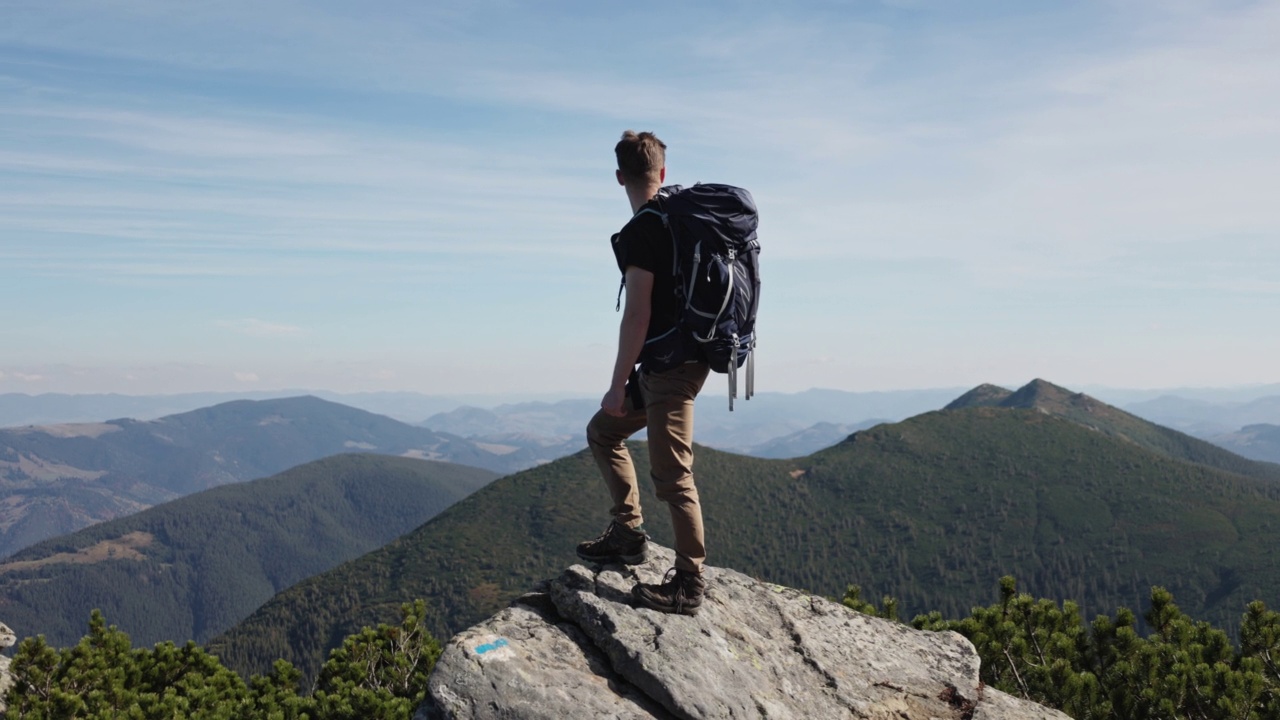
[772, 425]
[1259, 442]
[58, 479]
[810, 440]
[1206, 419]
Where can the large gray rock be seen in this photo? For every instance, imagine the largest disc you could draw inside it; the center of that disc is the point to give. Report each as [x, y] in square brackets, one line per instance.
[576, 648]
[7, 640]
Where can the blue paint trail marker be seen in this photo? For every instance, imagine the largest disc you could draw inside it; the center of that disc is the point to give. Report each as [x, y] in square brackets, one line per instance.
[487, 647]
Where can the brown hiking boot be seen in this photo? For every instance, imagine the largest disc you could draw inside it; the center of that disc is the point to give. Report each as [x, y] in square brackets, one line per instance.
[617, 544]
[680, 592]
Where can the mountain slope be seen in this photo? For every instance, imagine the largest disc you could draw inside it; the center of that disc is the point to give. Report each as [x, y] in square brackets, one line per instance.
[932, 510]
[190, 568]
[1096, 415]
[58, 479]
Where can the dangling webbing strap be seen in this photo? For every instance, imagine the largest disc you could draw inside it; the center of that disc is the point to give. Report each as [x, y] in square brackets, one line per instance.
[733, 372]
[751, 373]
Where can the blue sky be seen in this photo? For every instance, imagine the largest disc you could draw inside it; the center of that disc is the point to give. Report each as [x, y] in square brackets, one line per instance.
[419, 196]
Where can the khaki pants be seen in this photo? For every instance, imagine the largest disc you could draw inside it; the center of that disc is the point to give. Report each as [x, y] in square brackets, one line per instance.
[668, 413]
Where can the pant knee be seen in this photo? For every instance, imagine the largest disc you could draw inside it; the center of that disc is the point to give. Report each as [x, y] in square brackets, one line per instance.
[675, 491]
[595, 436]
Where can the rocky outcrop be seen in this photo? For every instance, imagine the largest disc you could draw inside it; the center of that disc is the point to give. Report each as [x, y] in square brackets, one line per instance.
[576, 648]
[7, 640]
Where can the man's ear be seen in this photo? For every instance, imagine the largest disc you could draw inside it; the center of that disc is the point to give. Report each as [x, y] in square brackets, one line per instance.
[618, 174]
[662, 174]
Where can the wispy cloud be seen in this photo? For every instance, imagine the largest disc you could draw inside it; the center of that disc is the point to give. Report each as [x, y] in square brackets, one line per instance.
[254, 327]
[463, 148]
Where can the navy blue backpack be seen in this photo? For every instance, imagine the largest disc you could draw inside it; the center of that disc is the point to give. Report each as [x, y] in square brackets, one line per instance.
[717, 268]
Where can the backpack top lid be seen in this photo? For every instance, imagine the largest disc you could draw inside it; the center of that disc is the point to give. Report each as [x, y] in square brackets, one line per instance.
[728, 212]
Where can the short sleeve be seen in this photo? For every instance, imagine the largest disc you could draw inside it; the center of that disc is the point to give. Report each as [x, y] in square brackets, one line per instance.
[641, 243]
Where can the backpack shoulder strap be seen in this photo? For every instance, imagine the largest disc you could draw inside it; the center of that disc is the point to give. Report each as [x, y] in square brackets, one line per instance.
[652, 211]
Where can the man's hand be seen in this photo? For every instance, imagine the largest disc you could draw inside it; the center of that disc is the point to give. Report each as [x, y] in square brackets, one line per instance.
[613, 401]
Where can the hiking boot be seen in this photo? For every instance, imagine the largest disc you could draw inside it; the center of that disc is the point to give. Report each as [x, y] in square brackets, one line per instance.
[618, 544]
[680, 592]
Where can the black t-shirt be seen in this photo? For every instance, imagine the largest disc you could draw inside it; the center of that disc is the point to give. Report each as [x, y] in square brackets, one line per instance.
[646, 243]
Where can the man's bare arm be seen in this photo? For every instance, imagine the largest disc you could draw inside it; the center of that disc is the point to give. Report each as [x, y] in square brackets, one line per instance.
[631, 334]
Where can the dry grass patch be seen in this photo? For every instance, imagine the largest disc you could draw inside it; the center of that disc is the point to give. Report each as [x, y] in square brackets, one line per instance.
[125, 547]
[71, 430]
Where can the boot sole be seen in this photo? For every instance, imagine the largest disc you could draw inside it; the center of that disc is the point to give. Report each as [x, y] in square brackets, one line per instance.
[635, 559]
[667, 609]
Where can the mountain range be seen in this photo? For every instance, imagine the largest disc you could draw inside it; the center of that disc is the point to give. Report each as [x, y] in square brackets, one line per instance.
[1206, 419]
[57, 408]
[810, 440]
[1077, 499]
[59, 478]
[755, 427]
[191, 568]
[549, 428]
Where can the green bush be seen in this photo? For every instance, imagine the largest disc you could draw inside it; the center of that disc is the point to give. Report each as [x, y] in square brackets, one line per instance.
[377, 674]
[1183, 670]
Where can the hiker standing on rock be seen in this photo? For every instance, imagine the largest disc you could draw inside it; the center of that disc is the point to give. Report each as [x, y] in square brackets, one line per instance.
[659, 396]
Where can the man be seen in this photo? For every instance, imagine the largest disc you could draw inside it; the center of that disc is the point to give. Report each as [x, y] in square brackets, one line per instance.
[660, 396]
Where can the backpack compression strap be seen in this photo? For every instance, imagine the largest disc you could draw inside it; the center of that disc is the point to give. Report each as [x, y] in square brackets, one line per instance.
[751, 374]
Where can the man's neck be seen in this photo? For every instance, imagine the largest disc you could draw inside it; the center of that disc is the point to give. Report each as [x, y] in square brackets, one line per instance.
[641, 194]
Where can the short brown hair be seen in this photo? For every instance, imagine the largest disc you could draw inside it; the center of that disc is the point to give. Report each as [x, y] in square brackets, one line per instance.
[641, 156]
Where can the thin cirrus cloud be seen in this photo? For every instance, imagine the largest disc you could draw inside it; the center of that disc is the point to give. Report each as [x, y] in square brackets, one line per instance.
[414, 196]
[253, 327]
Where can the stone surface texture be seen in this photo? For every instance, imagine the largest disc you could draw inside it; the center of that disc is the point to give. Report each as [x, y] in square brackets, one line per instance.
[576, 648]
[8, 638]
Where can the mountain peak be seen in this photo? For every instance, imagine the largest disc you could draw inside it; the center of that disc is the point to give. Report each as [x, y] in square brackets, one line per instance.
[1038, 394]
[985, 395]
[1042, 394]
[1057, 401]
[575, 647]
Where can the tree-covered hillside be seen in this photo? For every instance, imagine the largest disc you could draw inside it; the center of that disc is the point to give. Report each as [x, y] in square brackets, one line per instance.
[930, 510]
[193, 567]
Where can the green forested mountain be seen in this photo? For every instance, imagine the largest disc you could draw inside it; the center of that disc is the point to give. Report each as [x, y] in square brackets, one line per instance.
[932, 510]
[57, 479]
[1097, 415]
[192, 567]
